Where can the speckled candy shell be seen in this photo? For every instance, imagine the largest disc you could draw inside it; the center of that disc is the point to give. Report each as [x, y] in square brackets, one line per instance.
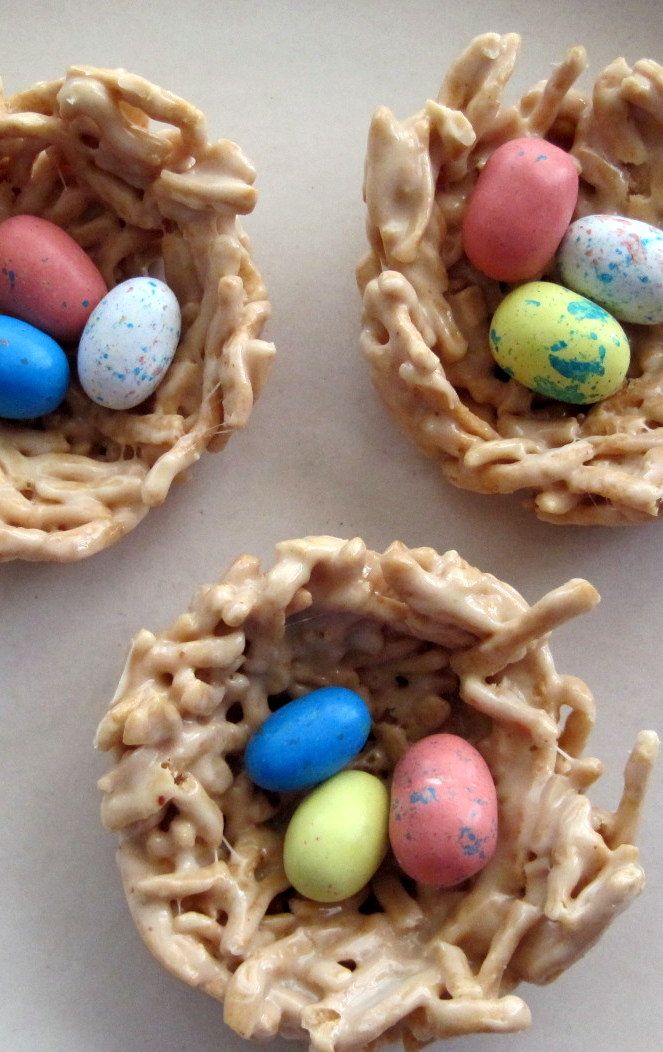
[443, 817]
[618, 262]
[128, 343]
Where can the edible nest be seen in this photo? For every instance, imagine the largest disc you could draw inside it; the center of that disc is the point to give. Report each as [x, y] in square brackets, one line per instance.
[127, 170]
[427, 311]
[432, 644]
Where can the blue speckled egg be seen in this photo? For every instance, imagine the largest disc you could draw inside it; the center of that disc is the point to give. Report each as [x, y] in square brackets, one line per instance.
[559, 344]
[308, 740]
[128, 343]
[34, 371]
[617, 262]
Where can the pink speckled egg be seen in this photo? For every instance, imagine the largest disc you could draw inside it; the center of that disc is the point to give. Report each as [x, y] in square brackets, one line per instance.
[443, 816]
[46, 278]
[520, 208]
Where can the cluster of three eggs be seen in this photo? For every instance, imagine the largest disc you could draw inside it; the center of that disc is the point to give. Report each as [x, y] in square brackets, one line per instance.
[561, 340]
[51, 293]
[440, 813]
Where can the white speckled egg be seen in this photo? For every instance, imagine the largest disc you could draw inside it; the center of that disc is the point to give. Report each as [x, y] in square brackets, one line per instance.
[617, 262]
[128, 343]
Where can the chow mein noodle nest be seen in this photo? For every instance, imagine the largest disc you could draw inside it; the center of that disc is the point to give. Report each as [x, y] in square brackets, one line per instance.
[427, 310]
[432, 644]
[127, 170]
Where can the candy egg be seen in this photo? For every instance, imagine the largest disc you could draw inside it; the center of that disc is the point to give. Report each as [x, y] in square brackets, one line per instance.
[559, 344]
[46, 278]
[34, 371]
[337, 837]
[308, 740]
[443, 815]
[128, 343]
[619, 263]
[520, 207]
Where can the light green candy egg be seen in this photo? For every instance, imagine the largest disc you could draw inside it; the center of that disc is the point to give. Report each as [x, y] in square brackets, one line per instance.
[559, 344]
[337, 837]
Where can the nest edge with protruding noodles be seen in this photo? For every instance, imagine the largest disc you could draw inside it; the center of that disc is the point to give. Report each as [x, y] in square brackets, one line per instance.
[427, 311]
[432, 644]
[127, 170]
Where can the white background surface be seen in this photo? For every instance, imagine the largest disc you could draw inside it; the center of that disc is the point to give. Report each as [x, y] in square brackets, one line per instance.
[295, 84]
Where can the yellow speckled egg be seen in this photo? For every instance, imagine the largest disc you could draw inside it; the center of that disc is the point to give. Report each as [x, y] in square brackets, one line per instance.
[559, 344]
[337, 837]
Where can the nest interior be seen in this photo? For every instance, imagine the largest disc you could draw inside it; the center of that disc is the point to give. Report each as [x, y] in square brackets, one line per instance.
[427, 311]
[431, 644]
[127, 170]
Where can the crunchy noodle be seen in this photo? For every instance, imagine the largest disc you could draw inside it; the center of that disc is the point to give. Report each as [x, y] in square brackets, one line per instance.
[126, 168]
[427, 310]
[430, 643]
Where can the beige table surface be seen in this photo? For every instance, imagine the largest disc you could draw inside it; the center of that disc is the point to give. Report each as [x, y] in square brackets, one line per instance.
[295, 84]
